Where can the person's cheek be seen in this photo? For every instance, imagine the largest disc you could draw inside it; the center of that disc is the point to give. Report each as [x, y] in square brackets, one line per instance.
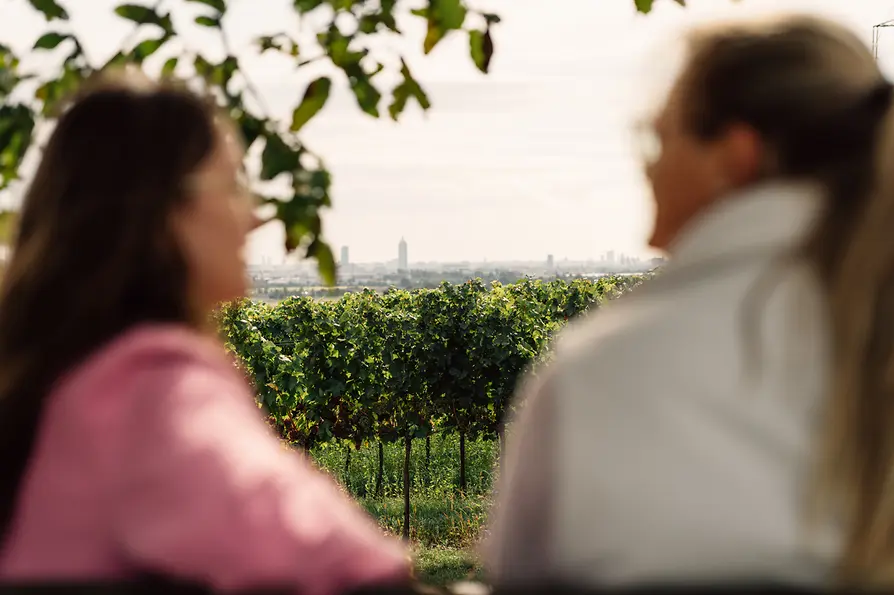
[242, 217]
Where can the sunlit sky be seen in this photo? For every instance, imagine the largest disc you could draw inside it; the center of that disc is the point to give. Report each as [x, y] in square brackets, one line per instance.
[533, 159]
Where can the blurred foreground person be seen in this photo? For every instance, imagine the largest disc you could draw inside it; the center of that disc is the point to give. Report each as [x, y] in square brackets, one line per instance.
[732, 419]
[129, 442]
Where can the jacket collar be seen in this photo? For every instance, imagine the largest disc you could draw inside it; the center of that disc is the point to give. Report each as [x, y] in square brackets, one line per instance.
[773, 215]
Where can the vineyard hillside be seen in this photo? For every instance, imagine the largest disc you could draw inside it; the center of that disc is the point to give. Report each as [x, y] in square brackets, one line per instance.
[401, 395]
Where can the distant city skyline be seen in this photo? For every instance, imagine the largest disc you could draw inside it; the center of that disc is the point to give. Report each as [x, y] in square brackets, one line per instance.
[400, 262]
[403, 261]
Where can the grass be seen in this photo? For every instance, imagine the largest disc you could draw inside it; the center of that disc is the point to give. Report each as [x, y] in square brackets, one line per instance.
[444, 533]
[432, 474]
[443, 566]
[445, 523]
[448, 522]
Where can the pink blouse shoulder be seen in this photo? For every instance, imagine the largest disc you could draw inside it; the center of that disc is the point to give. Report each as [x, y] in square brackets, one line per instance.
[191, 480]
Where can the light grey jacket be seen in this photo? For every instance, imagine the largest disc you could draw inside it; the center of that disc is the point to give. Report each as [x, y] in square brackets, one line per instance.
[650, 451]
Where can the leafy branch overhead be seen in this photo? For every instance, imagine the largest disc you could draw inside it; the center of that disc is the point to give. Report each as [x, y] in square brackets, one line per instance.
[343, 41]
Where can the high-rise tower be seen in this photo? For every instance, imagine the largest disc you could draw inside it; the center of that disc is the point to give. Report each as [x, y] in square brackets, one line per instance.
[402, 263]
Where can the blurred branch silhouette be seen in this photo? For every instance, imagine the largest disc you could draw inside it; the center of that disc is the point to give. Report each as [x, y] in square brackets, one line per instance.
[284, 156]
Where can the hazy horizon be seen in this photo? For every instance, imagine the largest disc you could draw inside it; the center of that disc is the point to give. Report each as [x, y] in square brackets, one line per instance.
[531, 160]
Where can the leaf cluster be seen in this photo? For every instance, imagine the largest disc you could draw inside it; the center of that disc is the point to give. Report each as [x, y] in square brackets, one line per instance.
[373, 366]
[344, 42]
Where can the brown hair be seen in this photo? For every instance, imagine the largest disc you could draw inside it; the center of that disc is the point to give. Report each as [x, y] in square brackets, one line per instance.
[94, 253]
[816, 97]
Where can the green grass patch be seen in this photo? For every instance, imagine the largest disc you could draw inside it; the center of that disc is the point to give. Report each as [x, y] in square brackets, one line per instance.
[434, 468]
[446, 522]
[443, 566]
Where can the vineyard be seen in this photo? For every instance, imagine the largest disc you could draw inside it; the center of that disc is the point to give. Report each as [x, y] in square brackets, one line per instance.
[376, 372]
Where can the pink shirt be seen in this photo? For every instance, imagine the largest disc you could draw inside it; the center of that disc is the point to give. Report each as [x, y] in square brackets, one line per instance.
[153, 456]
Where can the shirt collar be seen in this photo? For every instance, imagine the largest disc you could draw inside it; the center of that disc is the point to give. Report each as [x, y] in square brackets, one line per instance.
[769, 215]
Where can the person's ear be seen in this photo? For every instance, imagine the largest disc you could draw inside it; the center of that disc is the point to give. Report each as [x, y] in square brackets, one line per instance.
[740, 153]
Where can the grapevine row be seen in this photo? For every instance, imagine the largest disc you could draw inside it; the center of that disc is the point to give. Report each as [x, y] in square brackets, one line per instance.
[403, 364]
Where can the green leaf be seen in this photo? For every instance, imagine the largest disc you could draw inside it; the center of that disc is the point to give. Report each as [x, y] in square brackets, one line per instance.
[481, 47]
[16, 132]
[251, 128]
[298, 220]
[203, 67]
[282, 43]
[146, 48]
[337, 47]
[51, 92]
[433, 35]
[443, 16]
[643, 6]
[208, 22]
[451, 14]
[314, 99]
[321, 251]
[368, 24]
[368, 97]
[144, 15]
[404, 91]
[169, 67]
[320, 182]
[223, 72]
[50, 40]
[268, 42]
[7, 58]
[307, 5]
[278, 158]
[9, 76]
[50, 9]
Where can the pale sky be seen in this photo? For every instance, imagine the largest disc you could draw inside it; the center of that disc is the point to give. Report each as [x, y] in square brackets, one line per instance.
[533, 159]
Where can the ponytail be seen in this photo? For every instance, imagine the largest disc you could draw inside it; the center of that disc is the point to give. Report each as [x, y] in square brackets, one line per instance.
[855, 261]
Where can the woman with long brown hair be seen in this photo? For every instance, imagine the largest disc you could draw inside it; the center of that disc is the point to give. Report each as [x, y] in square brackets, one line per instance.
[129, 443]
[732, 419]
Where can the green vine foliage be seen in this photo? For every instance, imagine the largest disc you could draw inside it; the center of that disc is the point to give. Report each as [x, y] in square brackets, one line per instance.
[407, 364]
[342, 41]
[404, 364]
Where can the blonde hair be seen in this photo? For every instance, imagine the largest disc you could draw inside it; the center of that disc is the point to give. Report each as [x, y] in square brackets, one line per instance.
[815, 95]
